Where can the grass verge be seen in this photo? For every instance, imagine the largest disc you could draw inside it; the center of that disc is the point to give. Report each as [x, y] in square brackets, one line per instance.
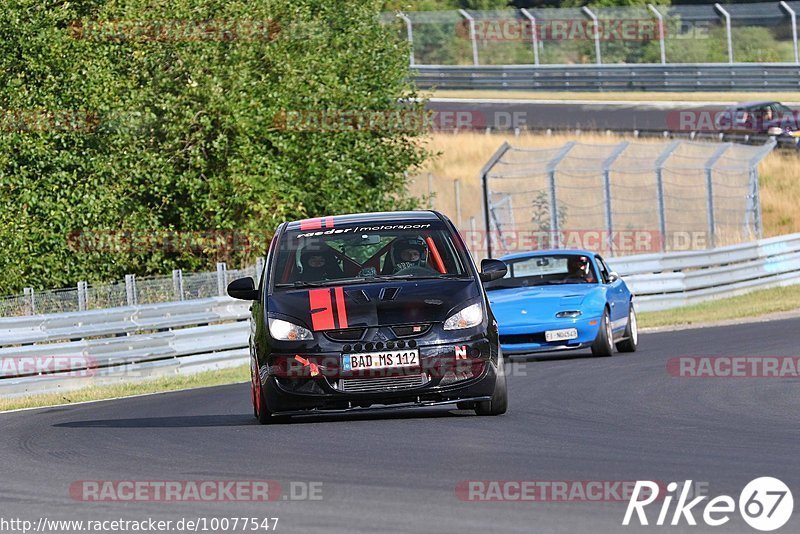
[626, 96]
[754, 304]
[167, 383]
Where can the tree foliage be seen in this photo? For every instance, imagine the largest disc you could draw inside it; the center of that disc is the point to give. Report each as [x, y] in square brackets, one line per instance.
[184, 134]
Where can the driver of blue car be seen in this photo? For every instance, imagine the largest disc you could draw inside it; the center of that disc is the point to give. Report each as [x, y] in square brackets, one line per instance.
[579, 268]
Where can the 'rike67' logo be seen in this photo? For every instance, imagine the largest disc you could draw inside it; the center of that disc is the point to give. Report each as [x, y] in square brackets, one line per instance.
[765, 503]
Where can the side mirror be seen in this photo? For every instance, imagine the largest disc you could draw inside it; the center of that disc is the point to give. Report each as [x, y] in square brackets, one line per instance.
[492, 270]
[244, 289]
[612, 277]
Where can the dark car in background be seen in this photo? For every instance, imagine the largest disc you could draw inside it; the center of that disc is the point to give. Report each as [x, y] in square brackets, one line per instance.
[759, 118]
[366, 310]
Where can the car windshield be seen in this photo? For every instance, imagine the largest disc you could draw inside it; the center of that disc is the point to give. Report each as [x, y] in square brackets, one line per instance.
[363, 252]
[550, 269]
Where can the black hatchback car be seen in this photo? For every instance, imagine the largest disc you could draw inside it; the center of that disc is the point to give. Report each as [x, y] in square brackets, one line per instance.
[372, 310]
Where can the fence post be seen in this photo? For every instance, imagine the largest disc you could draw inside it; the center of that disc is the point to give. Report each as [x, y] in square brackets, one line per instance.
[472, 37]
[177, 284]
[710, 192]
[259, 268]
[728, 30]
[83, 297]
[457, 187]
[221, 275]
[487, 210]
[130, 289]
[661, 43]
[617, 152]
[596, 24]
[534, 36]
[409, 35]
[552, 165]
[28, 291]
[662, 212]
[793, 15]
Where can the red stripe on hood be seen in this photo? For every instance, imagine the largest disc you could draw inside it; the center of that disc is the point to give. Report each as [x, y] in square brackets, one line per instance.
[319, 301]
[339, 293]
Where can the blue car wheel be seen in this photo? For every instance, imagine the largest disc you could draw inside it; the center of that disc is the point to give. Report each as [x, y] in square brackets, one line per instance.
[604, 342]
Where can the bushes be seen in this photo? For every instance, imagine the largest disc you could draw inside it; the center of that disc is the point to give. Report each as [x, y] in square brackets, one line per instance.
[182, 133]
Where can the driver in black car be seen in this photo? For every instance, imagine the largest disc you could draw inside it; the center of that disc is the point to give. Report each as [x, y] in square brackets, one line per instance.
[408, 253]
[319, 265]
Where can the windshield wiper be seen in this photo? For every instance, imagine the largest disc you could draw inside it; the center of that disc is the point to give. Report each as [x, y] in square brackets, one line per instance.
[419, 276]
[323, 283]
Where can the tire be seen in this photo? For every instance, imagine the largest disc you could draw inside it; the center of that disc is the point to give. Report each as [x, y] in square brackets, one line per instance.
[260, 408]
[499, 403]
[604, 342]
[631, 341]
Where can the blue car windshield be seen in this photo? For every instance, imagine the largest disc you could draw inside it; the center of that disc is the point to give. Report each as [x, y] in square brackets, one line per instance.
[550, 269]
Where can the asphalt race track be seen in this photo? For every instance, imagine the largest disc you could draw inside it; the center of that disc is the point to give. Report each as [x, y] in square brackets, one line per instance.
[571, 419]
[586, 115]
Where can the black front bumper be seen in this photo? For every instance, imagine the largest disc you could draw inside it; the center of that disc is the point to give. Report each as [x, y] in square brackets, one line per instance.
[292, 395]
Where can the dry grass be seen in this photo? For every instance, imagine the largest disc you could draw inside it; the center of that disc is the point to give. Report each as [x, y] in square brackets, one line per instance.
[169, 383]
[626, 96]
[462, 155]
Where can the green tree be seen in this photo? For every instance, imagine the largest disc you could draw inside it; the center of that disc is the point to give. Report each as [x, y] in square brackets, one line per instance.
[188, 133]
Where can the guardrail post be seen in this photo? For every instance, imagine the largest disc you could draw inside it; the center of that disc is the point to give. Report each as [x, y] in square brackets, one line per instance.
[487, 210]
[83, 297]
[534, 36]
[130, 289]
[177, 284]
[662, 215]
[793, 15]
[618, 150]
[409, 35]
[728, 30]
[596, 24]
[472, 37]
[661, 43]
[712, 237]
[28, 292]
[221, 276]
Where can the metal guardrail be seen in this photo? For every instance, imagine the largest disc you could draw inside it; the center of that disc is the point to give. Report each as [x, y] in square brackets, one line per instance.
[613, 77]
[122, 344]
[131, 343]
[663, 281]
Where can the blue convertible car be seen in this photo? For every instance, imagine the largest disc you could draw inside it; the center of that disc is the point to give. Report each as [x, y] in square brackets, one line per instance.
[562, 299]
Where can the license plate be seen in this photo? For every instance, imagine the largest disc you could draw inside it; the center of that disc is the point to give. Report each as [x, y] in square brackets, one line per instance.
[561, 335]
[390, 359]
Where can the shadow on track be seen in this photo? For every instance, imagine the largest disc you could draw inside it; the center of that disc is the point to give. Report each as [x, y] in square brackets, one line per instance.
[198, 421]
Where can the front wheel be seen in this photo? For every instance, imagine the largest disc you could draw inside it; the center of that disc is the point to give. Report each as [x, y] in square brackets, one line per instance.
[604, 342]
[631, 341]
[499, 403]
[260, 408]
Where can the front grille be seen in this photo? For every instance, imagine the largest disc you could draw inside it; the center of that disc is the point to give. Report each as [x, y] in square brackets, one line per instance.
[518, 339]
[411, 330]
[382, 383]
[348, 334]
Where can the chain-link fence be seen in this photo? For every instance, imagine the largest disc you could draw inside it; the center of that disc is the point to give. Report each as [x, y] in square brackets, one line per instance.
[132, 291]
[731, 33]
[621, 199]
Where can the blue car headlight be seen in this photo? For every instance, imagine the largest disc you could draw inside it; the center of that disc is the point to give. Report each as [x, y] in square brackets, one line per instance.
[569, 314]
